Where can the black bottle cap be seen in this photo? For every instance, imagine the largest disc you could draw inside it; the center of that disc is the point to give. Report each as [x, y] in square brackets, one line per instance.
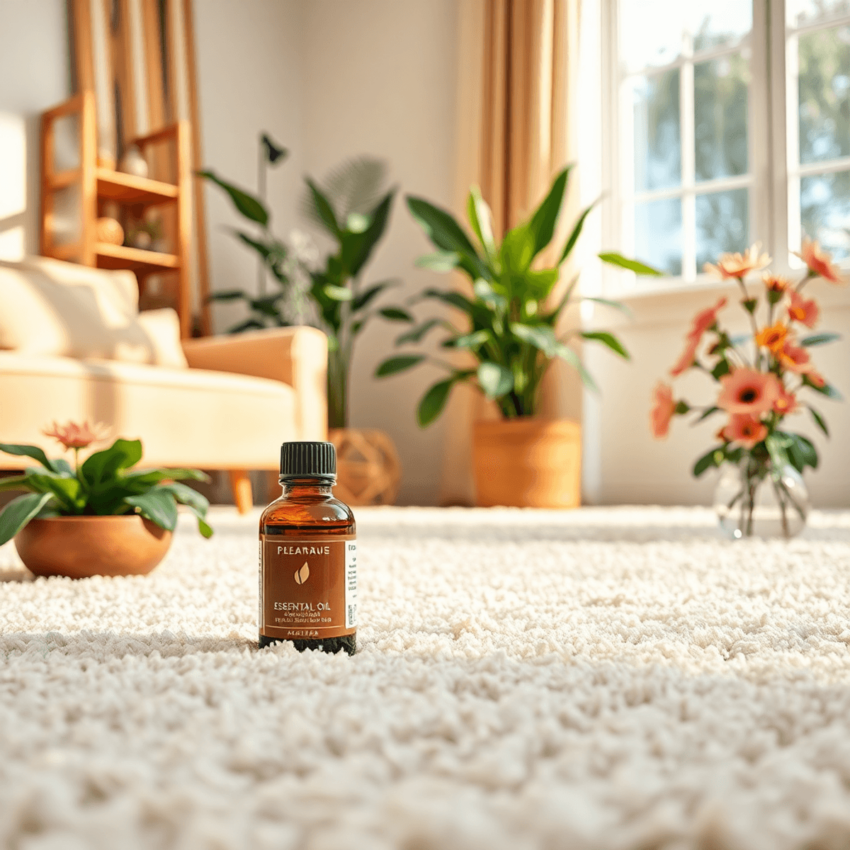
[306, 459]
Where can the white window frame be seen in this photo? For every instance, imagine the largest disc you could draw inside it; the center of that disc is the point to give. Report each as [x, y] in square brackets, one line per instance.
[774, 174]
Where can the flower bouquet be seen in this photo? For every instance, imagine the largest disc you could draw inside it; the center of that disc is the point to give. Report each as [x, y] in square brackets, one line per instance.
[765, 376]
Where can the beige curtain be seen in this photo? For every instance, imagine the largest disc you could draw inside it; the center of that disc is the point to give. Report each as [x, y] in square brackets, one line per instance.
[517, 66]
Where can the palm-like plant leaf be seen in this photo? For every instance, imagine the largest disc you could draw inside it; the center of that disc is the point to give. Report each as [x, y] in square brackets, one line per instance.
[354, 186]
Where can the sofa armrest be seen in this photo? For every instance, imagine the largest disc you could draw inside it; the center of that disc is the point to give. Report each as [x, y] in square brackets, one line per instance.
[296, 356]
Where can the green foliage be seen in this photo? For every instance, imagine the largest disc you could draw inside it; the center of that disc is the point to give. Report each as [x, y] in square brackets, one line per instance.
[352, 208]
[104, 485]
[508, 325]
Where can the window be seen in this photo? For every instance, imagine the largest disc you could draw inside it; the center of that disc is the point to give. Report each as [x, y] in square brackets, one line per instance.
[817, 54]
[732, 122]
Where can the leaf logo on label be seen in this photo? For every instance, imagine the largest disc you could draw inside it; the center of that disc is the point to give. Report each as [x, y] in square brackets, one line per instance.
[303, 574]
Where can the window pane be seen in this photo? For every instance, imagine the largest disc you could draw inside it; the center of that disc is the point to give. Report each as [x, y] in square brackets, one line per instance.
[720, 22]
[799, 12]
[654, 32]
[650, 33]
[722, 224]
[825, 94]
[720, 106]
[658, 147]
[825, 211]
[658, 234]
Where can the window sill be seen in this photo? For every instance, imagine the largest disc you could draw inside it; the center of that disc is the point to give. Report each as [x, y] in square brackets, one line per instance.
[671, 300]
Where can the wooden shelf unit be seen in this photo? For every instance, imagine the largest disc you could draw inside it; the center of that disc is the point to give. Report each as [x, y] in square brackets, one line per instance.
[99, 185]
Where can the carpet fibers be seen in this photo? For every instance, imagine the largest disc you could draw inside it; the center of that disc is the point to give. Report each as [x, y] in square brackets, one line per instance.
[619, 678]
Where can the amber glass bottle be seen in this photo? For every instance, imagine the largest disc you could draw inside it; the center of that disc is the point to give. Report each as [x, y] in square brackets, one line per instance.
[308, 556]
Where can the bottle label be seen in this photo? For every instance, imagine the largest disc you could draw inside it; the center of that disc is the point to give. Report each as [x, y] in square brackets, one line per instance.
[308, 587]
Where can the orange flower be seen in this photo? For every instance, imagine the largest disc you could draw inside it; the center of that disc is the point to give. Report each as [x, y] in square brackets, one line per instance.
[744, 429]
[74, 436]
[786, 402]
[802, 310]
[820, 262]
[772, 338]
[662, 411]
[748, 391]
[687, 357]
[795, 358]
[775, 282]
[738, 265]
[705, 320]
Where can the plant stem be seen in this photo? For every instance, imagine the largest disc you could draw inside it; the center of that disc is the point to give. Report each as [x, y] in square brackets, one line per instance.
[337, 388]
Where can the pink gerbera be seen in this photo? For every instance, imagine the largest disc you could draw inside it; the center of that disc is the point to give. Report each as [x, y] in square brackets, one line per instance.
[803, 310]
[785, 402]
[662, 412]
[744, 429]
[705, 319]
[738, 265]
[820, 262]
[74, 436]
[794, 358]
[748, 391]
[687, 357]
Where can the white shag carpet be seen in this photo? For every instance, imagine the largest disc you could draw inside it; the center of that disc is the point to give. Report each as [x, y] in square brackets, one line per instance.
[607, 678]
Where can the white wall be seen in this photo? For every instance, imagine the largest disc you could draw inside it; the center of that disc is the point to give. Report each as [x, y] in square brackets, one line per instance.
[380, 79]
[250, 80]
[34, 75]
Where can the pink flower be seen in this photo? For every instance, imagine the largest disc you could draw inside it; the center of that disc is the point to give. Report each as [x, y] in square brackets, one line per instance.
[74, 436]
[738, 265]
[688, 356]
[662, 411]
[802, 310]
[744, 429]
[814, 377]
[820, 262]
[794, 358]
[785, 402]
[748, 391]
[705, 319]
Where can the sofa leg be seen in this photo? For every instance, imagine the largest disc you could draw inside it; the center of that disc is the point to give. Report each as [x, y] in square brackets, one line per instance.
[241, 486]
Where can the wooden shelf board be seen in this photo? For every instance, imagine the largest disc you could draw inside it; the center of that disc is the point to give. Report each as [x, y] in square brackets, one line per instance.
[122, 257]
[129, 189]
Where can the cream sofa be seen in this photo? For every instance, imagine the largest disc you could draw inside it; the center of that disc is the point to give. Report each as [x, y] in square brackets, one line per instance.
[73, 346]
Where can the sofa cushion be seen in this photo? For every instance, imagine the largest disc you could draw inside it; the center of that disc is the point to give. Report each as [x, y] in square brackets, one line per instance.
[54, 308]
[184, 417]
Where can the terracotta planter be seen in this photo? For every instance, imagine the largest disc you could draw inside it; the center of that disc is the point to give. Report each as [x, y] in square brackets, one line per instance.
[527, 463]
[80, 547]
[368, 469]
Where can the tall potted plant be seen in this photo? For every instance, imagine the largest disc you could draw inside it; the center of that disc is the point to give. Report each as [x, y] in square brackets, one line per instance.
[352, 208]
[511, 330]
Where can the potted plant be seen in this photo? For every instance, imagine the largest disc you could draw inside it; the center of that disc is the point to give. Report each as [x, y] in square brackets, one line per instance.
[351, 207]
[510, 328]
[765, 376]
[98, 517]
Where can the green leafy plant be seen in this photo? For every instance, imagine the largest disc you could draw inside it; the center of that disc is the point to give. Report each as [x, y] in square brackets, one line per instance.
[105, 484]
[265, 309]
[352, 208]
[510, 327]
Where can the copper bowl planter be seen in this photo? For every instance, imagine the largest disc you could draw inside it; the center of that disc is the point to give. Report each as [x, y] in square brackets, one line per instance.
[527, 463]
[81, 547]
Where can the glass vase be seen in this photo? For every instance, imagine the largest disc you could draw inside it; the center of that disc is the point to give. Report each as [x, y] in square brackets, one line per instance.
[754, 498]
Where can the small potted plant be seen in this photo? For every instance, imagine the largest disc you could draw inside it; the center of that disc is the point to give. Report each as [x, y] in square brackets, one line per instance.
[511, 327]
[98, 517]
[765, 376]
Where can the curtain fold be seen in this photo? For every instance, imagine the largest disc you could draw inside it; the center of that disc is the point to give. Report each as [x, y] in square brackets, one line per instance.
[517, 67]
